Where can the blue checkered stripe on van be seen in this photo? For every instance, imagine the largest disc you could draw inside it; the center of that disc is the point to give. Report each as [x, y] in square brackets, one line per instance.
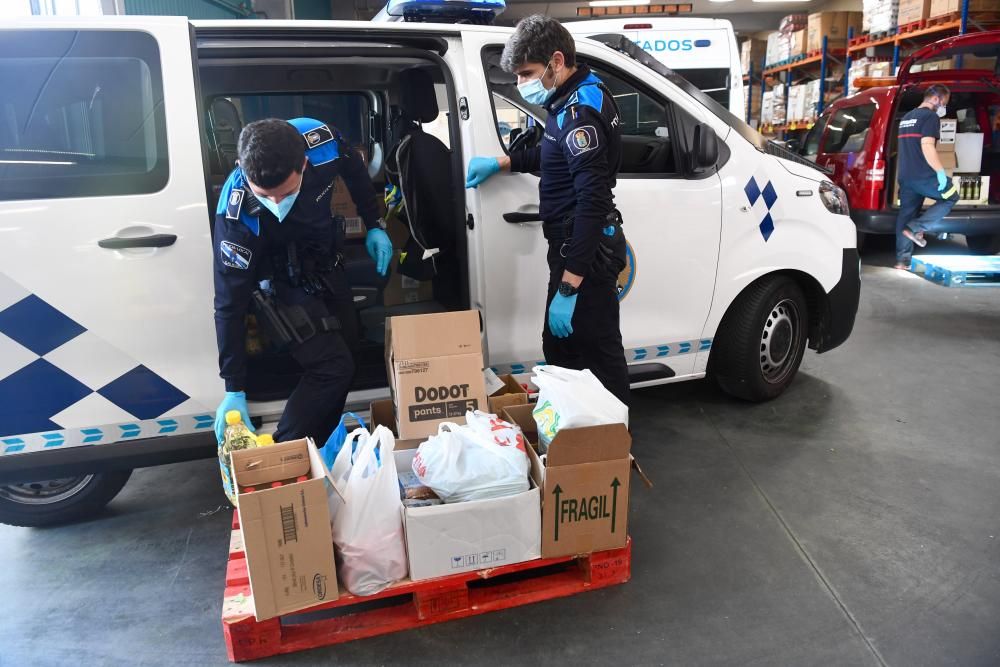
[61, 385]
[635, 354]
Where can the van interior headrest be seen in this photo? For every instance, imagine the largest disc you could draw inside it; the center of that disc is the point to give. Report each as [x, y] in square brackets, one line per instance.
[417, 98]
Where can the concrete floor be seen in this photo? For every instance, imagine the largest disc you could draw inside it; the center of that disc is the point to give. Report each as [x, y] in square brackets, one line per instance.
[854, 521]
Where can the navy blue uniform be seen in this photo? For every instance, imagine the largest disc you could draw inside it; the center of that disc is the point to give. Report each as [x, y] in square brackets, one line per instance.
[253, 247]
[918, 181]
[579, 158]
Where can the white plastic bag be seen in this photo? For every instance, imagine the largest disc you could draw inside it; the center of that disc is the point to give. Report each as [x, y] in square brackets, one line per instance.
[571, 399]
[488, 458]
[368, 523]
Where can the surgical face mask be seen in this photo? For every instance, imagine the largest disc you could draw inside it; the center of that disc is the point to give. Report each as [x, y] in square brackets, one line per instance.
[534, 92]
[941, 111]
[280, 209]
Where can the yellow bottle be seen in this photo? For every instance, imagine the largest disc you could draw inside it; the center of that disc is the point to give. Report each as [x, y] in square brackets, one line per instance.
[265, 439]
[237, 436]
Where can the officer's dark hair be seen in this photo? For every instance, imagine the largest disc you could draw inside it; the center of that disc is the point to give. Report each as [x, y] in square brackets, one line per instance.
[535, 39]
[270, 150]
[936, 90]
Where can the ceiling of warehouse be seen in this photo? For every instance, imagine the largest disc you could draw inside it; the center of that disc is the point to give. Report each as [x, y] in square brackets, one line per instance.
[746, 15]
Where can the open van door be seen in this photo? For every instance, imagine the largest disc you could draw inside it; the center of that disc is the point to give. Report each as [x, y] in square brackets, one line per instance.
[978, 54]
[106, 332]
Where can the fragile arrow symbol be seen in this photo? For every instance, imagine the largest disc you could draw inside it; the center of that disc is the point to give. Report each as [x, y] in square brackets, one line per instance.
[614, 502]
[556, 492]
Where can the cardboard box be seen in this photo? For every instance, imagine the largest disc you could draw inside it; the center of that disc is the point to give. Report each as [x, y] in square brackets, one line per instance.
[286, 530]
[461, 537]
[435, 365]
[402, 289]
[799, 43]
[911, 11]
[942, 7]
[949, 128]
[834, 26]
[975, 62]
[584, 481]
[752, 51]
[341, 204]
[511, 394]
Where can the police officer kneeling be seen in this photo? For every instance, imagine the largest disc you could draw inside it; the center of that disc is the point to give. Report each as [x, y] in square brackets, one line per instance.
[579, 158]
[277, 247]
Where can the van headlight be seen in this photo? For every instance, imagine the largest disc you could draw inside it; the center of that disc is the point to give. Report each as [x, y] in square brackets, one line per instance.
[834, 198]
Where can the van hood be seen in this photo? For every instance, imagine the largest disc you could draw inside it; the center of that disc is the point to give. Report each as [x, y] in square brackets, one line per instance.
[798, 169]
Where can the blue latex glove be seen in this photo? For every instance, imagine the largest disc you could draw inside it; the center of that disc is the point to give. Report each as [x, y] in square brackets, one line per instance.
[942, 180]
[379, 249]
[480, 169]
[561, 315]
[234, 400]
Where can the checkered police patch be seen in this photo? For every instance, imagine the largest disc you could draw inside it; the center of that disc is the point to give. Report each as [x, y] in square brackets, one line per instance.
[582, 140]
[235, 256]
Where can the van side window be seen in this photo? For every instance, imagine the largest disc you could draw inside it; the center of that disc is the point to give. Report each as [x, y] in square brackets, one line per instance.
[81, 114]
[848, 129]
[811, 145]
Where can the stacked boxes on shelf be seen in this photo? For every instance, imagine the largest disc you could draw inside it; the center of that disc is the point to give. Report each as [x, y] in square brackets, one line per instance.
[912, 11]
[945, 7]
[787, 29]
[866, 67]
[752, 51]
[774, 48]
[880, 15]
[834, 26]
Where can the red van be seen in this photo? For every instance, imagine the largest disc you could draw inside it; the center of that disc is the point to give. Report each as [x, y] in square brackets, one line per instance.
[855, 137]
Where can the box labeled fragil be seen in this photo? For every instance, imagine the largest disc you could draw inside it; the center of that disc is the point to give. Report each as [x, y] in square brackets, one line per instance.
[584, 479]
[461, 537]
[435, 366]
[286, 527]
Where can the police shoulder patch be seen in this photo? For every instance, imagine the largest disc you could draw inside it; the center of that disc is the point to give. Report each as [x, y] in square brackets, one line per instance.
[234, 256]
[234, 204]
[318, 136]
[582, 140]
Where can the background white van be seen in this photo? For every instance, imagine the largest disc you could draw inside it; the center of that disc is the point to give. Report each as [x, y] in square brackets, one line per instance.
[703, 51]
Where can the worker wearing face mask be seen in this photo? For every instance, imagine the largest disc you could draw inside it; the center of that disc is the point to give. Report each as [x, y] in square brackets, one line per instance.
[278, 254]
[921, 174]
[579, 158]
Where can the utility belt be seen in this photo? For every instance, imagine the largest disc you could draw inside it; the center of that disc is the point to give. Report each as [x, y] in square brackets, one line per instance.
[610, 258]
[286, 323]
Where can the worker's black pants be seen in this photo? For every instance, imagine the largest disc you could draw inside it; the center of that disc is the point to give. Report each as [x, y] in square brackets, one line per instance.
[596, 341]
[327, 359]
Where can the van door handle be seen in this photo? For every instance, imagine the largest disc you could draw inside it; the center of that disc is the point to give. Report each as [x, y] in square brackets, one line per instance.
[151, 241]
[520, 217]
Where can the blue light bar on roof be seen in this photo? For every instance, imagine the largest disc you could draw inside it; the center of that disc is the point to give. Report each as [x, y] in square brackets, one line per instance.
[446, 11]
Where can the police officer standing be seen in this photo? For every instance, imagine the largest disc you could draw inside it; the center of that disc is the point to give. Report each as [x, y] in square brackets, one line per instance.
[276, 246]
[579, 158]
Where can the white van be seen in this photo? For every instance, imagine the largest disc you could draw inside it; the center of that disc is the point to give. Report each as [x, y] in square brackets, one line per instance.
[116, 135]
[703, 51]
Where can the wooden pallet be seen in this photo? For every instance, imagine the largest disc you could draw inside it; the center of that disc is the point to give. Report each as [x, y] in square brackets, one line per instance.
[406, 605]
[958, 270]
[911, 27]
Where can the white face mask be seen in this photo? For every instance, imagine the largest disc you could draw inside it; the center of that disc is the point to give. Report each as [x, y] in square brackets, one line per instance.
[941, 111]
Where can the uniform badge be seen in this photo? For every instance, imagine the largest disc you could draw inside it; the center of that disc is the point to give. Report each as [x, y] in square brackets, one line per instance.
[234, 204]
[235, 256]
[318, 136]
[582, 140]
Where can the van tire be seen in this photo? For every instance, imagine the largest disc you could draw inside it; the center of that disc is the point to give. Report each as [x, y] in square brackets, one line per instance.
[48, 503]
[983, 244]
[742, 361]
[861, 238]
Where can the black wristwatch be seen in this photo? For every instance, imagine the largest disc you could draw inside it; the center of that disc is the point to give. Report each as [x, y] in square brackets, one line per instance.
[567, 290]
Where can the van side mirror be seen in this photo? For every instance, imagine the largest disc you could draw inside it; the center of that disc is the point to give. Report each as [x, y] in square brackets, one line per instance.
[705, 153]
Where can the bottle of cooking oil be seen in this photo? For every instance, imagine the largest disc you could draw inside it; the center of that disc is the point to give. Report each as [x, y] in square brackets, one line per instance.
[265, 439]
[237, 437]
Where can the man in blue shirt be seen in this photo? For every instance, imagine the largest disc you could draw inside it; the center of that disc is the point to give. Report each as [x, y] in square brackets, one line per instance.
[579, 158]
[921, 174]
[276, 246]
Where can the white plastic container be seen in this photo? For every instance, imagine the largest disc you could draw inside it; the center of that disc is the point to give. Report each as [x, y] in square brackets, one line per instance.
[969, 152]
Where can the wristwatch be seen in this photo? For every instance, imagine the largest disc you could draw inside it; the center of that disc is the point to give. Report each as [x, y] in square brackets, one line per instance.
[567, 289]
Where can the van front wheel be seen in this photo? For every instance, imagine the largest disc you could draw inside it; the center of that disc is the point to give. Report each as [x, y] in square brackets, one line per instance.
[34, 504]
[760, 343]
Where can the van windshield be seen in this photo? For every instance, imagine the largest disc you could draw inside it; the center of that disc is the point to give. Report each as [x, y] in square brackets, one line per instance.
[624, 45]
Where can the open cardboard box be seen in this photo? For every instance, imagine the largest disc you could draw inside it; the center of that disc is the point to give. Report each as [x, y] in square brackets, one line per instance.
[461, 537]
[435, 366]
[286, 530]
[584, 478]
[510, 394]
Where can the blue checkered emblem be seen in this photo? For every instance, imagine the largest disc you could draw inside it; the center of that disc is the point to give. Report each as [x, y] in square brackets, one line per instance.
[769, 197]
